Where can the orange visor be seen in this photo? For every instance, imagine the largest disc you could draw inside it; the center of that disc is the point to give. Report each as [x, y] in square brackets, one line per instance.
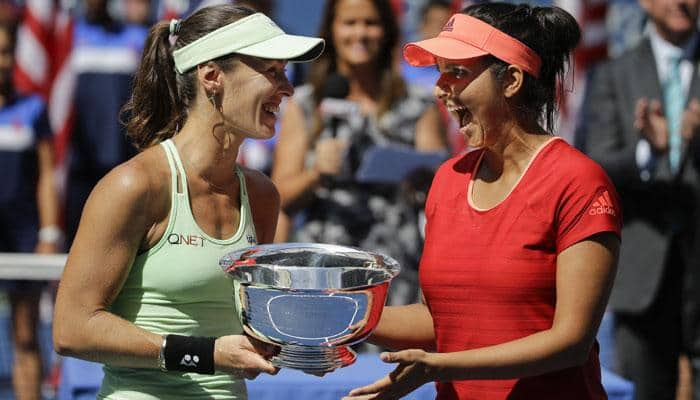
[465, 37]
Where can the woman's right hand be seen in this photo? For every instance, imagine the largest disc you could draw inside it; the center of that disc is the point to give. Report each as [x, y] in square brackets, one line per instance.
[240, 354]
[329, 156]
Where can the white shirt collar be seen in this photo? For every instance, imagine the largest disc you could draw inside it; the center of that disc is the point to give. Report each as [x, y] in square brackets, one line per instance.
[663, 50]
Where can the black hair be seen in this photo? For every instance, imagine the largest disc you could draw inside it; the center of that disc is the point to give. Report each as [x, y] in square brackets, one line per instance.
[550, 32]
[160, 97]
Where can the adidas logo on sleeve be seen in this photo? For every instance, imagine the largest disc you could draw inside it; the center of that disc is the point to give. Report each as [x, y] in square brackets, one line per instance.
[602, 205]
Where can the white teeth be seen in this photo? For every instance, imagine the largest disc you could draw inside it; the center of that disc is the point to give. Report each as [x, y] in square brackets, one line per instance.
[271, 108]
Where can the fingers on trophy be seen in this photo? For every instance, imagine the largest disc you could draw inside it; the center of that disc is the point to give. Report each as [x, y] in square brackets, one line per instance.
[312, 300]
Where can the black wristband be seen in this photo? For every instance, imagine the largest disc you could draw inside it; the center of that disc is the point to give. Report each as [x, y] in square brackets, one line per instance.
[189, 354]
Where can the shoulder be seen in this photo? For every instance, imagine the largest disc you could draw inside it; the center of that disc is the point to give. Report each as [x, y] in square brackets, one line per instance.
[140, 183]
[625, 62]
[461, 164]
[259, 185]
[567, 176]
[570, 163]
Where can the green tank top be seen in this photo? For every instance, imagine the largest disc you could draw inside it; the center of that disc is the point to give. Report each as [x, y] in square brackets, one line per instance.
[177, 287]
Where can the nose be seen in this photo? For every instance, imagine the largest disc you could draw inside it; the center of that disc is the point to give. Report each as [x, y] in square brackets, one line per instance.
[285, 87]
[442, 88]
[361, 29]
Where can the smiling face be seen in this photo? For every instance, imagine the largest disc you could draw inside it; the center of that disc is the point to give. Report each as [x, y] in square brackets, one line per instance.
[253, 91]
[357, 33]
[472, 96]
[675, 20]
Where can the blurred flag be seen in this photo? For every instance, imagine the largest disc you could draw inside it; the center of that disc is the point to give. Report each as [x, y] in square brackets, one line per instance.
[169, 9]
[593, 48]
[44, 45]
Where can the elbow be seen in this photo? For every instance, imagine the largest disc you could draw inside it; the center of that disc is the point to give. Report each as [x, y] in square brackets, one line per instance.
[67, 338]
[578, 353]
[62, 343]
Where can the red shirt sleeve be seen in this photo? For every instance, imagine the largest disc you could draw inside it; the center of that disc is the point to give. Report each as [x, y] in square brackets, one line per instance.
[589, 205]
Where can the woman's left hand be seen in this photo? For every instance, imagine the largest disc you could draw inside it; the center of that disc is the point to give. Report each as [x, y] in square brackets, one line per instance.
[414, 370]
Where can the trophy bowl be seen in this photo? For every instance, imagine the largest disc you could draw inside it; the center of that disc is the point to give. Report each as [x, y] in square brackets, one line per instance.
[313, 300]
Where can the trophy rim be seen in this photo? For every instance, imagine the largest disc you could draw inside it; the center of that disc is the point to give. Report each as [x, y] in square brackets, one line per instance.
[240, 259]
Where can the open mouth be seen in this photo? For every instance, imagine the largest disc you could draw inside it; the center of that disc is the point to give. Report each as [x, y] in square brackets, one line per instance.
[461, 113]
[271, 108]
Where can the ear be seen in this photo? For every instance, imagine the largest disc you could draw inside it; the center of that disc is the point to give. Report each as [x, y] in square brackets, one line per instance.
[513, 82]
[210, 76]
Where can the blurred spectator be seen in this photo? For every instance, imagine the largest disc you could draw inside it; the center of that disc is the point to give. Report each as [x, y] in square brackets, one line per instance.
[356, 99]
[433, 16]
[642, 122]
[28, 210]
[625, 25]
[105, 56]
[138, 12]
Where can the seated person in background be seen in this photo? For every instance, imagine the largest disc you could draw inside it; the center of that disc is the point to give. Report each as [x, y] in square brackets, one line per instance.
[317, 154]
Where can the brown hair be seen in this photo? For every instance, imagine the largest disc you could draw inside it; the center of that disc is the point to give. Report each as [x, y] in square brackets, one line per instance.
[160, 97]
[392, 85]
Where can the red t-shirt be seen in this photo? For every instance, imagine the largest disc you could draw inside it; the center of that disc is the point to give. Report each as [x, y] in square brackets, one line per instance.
[488, 276]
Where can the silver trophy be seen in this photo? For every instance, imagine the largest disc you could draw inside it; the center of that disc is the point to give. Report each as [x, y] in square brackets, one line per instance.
[313, 300]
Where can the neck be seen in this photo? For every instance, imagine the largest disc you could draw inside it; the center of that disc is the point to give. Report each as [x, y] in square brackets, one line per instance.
[678, 39]
[511, 156]
[363, 80]
[208, 150]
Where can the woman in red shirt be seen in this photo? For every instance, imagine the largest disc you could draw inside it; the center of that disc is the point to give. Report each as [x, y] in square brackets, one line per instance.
[522, 232]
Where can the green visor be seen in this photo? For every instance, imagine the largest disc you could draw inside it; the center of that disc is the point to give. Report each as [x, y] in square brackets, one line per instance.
[255, 35]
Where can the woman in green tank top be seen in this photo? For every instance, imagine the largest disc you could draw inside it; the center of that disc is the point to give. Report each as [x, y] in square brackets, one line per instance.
[142, 292]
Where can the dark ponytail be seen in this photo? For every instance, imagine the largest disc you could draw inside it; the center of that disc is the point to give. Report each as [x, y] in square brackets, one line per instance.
[158, 104]
[553, 34]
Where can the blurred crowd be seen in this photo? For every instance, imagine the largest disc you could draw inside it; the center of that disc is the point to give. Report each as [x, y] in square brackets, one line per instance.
[66, 70]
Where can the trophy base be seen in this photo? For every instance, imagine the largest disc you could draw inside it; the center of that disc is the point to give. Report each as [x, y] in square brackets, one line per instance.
[314, 359]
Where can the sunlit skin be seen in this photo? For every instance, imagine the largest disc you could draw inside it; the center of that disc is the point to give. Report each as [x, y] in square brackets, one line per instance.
[470, 93]
[357, 34]
[257, 87]
[480, 105]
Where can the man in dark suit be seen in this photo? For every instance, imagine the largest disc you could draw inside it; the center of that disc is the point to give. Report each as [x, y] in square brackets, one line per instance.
[641, 122]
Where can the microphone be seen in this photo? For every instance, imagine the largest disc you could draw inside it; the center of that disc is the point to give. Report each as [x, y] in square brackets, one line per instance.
[333, 108]
[333, 104]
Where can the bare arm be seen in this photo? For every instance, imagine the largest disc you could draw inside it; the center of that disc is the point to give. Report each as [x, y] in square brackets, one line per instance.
[585, 273]
[265, 205]
[115, 220]
[289, 171]
[403, 327]
[430, 131]
[112, 226]
[47, 198]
